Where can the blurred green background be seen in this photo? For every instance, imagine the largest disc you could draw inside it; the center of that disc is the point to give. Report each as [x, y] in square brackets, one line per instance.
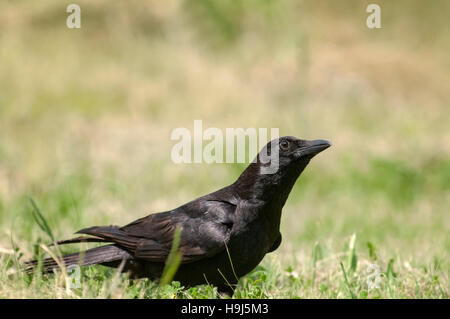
[86, 116]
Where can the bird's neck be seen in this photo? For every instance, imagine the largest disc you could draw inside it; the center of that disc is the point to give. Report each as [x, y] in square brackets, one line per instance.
[271, 188]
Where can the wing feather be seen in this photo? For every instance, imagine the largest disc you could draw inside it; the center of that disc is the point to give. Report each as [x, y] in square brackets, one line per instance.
[150, 238]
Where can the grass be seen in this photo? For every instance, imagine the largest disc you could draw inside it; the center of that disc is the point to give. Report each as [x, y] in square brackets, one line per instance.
[86, 116]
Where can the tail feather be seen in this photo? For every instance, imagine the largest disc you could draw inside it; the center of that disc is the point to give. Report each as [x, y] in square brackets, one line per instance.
[98, 255]
[80, 239]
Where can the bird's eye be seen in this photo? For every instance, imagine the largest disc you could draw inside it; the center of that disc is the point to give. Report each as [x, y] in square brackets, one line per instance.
[284, 145]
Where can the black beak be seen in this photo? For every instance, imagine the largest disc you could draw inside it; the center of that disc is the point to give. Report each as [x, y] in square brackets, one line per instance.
[312, 148]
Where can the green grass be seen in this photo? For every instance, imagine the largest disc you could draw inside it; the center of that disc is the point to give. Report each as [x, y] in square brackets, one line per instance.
[86, 116]
[388, 230]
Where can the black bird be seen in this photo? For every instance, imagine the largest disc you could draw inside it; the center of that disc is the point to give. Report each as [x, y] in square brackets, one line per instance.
[224, 235]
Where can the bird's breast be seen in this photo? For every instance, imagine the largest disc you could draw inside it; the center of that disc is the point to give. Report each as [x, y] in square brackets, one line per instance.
[249, 245]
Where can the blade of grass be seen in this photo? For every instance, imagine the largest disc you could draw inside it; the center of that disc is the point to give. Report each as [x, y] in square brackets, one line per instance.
[231, 262]
[352, 261]
[173, 260]
[347, 283]
[40, 219]
[226, 280]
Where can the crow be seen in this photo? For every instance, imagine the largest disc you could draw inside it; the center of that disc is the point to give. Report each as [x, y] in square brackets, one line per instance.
[224, 235]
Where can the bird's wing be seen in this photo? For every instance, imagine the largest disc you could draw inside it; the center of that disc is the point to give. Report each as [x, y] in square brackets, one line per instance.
[206, 227]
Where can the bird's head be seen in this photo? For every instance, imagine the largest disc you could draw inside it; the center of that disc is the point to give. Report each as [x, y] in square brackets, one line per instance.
[289, 153]
[277, 167]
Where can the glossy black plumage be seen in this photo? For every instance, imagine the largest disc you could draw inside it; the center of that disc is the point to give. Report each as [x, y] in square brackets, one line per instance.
[240, 222]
